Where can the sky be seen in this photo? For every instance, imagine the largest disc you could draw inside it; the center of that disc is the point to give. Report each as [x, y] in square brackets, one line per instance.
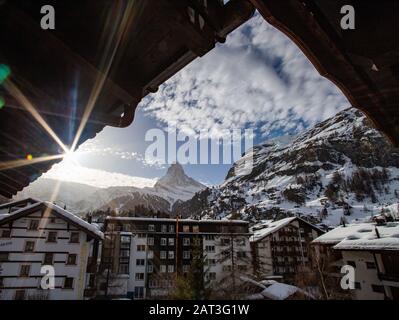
[258, 80]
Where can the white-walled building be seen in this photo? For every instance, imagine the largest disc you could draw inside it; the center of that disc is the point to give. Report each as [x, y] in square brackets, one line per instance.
[373, 251]
[33, 234]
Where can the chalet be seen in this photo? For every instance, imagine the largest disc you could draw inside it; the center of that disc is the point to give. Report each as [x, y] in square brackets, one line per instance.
[373, 251]
[35, 234]
[142, 256]
[281, 248]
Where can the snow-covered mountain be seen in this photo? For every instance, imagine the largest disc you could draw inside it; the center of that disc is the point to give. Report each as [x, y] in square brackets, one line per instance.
[342, 165]
[174, 186]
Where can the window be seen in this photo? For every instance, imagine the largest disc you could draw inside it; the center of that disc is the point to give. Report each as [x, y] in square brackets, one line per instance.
[225, 242]
[357, 285]
[151, 227]
[74, 237]
[52, 236]
[211, 262]
[152, 283]
[125, 239]
[138, 292]
[351, 263]
[140, 262]
[29, 246]
[370, 265]
[150, 254]
[71, 259]
[164, 228]
[139, 276]
[33, 225]
[171, 255]
[140, 247]
[163, 241]
[186, 254]
[25, 269]
[226, 268]
[6, 233]
[377, 288]
[242, 268]
[186, 268]
[171, 268]
[124, 253]
[162, 255]
[186, 228]
[197, 241]
[68, 283]
[210, 248]
[3, 256]
[1, 282]
[186, 241]
[210, 237]
[196, 229]
[48, 258]
[162, 268]
[150, 241]
[19, 295]
[212, 275]
[171, 228]
[171, 241]
[150, 268]
[124, 268]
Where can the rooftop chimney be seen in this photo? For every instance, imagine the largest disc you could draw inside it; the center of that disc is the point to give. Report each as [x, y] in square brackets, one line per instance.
[377, 233]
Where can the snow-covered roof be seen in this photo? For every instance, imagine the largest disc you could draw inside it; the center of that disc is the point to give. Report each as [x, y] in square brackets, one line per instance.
[28, 207]
[266, 227]
[17, 202]
[385, 237]
[174, 220]
[63, 213]
[279, 291]
[363, 236]
[77, 220]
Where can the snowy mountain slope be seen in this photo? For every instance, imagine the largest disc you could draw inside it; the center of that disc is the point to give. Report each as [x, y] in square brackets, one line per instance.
[69, 193]
[174, 186]
[341, 165]
[80, 198]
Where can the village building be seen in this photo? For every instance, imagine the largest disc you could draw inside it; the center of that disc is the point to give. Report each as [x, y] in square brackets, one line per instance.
[34, 234]
[142, 256]
[282, 248]
[372, 250]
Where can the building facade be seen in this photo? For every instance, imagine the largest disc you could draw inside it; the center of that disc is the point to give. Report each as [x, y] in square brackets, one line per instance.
[282, 248]
[34, 234]
[143, 256]
[373, 252]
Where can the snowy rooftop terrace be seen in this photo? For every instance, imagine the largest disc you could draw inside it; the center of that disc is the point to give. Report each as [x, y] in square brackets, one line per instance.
[363, 236]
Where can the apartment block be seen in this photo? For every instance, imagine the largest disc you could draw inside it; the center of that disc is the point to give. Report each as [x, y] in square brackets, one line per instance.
[282, 248]
[143, 256]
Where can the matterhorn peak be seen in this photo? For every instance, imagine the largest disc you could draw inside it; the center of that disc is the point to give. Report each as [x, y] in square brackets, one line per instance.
[176, 177]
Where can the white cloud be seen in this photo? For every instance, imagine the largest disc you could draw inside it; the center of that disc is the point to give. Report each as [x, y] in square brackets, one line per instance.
[258, 78]
[70, 172]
